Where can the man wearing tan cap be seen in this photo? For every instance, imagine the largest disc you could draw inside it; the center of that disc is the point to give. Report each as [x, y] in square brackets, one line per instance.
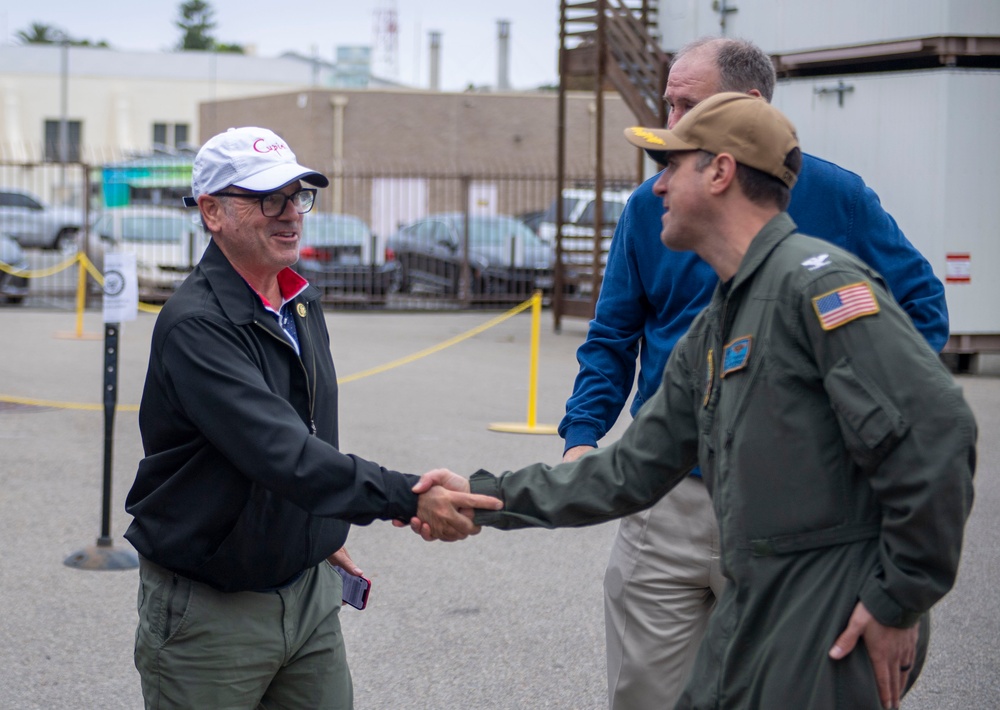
[663, 576]
[243, 501]
[837, 450]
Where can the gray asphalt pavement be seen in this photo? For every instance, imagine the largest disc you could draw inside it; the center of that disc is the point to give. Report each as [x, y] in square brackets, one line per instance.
[502, 621]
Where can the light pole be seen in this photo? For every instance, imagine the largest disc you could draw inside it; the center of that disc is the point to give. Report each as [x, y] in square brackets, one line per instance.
[63, 138]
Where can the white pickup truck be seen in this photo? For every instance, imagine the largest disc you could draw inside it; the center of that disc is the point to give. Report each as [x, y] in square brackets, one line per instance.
[30, 221]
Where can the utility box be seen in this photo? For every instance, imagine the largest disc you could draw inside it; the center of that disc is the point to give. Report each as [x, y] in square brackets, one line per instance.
[928, 142]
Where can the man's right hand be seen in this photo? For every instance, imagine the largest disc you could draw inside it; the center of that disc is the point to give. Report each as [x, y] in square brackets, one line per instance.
[891, 651]
[445, 507]
[576, 452]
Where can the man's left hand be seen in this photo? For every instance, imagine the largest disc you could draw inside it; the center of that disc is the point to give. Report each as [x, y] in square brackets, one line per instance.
[892, 652]
[341, 558]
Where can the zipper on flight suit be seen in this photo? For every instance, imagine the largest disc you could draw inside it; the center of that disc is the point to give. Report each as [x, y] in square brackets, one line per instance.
[751, 375]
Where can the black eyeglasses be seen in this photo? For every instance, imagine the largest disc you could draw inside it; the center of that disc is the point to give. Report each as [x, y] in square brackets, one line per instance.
[273, 203]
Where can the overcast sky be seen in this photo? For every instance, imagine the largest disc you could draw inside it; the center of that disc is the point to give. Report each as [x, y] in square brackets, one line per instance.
[468, 31]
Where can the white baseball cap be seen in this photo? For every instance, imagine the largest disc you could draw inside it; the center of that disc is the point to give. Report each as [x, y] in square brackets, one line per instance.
[251, 158]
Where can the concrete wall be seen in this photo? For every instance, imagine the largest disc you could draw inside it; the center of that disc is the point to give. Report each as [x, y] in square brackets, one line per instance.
[436, 133]
[403, 154]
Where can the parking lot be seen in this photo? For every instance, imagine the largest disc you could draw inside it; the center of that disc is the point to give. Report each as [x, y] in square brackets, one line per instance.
[503, 621]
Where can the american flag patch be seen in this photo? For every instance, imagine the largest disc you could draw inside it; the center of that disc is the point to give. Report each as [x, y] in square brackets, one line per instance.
[844, 305]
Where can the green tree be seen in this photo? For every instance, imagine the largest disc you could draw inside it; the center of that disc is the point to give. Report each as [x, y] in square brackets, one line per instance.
[197, 24]
[228, 48]
[196, 21]
[40, 33]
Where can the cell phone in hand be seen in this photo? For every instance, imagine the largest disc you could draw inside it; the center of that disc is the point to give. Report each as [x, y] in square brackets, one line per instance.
[355, 588]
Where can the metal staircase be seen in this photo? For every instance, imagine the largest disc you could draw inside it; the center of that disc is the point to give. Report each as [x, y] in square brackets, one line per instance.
[604, 45]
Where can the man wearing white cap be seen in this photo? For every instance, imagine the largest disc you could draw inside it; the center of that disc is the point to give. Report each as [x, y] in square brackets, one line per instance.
[837, 449]
[243, 499]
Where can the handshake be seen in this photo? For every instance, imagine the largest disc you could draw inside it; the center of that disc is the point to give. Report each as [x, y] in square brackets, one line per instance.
[445, 507]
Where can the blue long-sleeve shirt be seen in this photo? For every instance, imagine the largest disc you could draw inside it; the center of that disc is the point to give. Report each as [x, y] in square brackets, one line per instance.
[651, 294]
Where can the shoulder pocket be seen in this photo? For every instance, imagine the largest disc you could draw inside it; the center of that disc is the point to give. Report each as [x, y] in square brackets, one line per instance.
[869, 421]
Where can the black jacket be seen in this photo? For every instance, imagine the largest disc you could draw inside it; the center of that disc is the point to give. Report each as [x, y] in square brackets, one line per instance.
[242, 486]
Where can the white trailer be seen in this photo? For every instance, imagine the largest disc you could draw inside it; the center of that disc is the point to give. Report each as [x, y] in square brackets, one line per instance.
[915, 112]
[928, 142]
[788, 26]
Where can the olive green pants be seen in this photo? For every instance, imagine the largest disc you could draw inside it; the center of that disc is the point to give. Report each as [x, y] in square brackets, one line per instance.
[196, 647]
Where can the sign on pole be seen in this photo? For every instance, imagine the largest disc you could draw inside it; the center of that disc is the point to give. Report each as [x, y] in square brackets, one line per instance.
[121, 288]
[121, 303]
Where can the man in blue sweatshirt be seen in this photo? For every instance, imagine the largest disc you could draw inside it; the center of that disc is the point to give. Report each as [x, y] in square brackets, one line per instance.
[663, 577]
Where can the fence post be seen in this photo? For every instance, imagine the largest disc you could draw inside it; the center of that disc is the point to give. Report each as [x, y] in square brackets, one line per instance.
[465, 275]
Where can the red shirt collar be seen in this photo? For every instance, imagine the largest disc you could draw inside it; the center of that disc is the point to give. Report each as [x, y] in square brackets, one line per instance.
[290, 284]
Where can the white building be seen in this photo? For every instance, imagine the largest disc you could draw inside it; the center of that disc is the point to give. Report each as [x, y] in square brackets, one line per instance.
[118, 102]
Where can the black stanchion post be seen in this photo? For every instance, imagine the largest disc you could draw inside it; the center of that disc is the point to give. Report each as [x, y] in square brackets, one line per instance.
[104, 555]
[110, 402]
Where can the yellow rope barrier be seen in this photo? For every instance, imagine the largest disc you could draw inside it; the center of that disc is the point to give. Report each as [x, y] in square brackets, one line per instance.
[7, 268]
[437, 348]
[52, 404]
[343, 380]
[40, 273]
[86, 265]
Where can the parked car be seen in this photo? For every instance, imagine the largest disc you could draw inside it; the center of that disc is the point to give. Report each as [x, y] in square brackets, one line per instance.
[505, 256]
[338, 255]
[30, 221]
[13, 286]
[167, 243]
[533, 219]
[578, 233]
[578, 218]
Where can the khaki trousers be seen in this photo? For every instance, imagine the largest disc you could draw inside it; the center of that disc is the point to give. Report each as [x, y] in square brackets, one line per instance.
[660, 587]
[196, 647]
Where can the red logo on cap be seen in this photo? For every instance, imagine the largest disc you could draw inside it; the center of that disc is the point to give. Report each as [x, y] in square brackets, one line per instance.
[261, 147]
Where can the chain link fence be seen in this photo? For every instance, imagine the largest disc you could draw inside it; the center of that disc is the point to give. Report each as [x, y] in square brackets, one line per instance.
[401, 240]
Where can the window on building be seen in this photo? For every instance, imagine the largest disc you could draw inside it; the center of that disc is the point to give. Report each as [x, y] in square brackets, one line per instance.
[53, 153]
[170, 135]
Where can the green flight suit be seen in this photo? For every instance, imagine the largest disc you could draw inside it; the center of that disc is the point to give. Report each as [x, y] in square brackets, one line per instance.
[839, 454]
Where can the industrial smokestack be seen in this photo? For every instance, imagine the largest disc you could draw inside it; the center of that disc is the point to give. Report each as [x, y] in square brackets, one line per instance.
[435, 61]
[503, 55]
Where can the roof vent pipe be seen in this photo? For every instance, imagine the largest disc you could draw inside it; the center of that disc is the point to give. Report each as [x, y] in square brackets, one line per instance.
[435, 61]
[503, 55]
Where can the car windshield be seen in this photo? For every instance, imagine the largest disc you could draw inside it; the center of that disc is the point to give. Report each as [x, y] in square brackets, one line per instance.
[150, 229]
[569, 203]
[611, 209]
[498, 231]
[333, 229]
[17, 199]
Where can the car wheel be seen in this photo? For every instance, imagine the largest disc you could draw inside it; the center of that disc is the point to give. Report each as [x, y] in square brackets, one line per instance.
[66, 240]
[399, 282]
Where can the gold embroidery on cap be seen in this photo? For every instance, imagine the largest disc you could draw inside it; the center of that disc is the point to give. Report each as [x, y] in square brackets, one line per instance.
[647, 136]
